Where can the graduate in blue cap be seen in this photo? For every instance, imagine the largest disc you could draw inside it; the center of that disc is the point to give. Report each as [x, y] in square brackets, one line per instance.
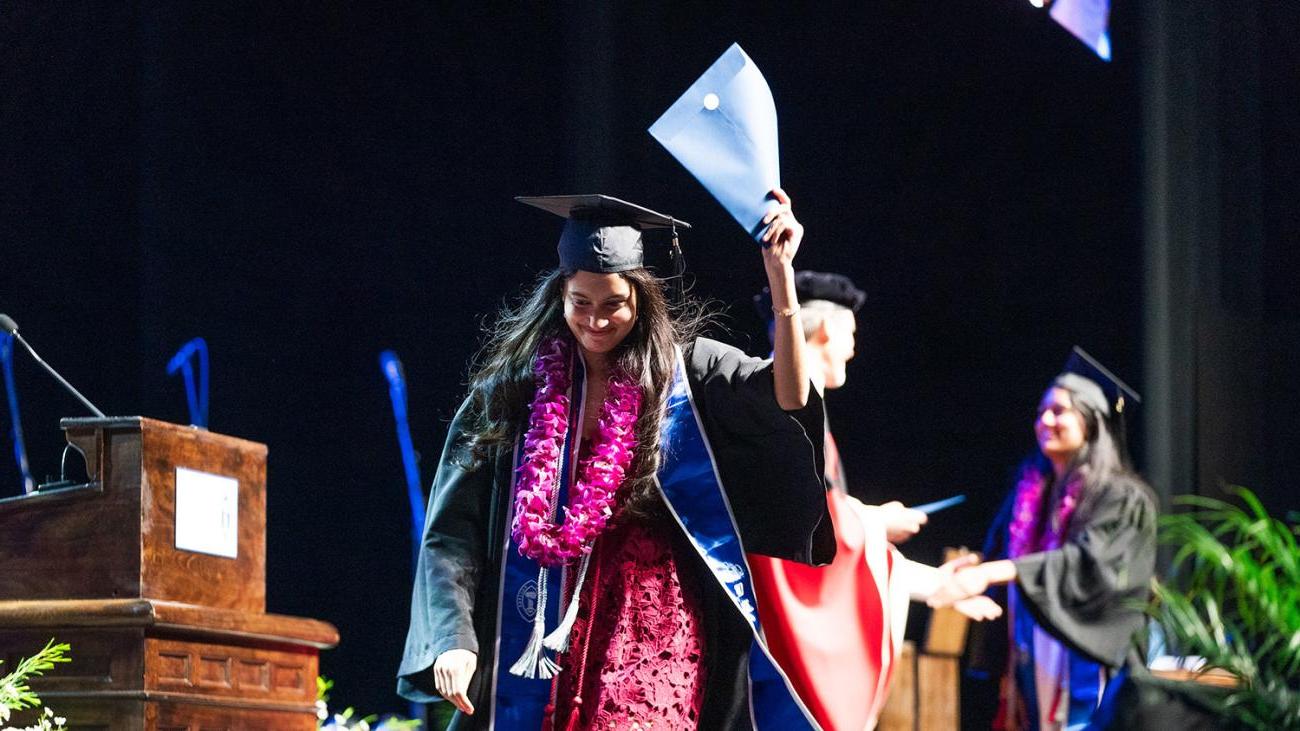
[582, 563]
[1079, 537]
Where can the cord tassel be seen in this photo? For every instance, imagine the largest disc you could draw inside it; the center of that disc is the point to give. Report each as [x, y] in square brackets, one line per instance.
[534, 663]
[559, 639]
[575, 715]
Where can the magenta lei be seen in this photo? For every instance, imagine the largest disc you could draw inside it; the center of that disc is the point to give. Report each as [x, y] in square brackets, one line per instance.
[598, 477]
[1026, 535]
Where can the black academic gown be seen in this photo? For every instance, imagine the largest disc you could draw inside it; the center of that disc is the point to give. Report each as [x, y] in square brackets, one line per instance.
[770, 462]
[1088, 594]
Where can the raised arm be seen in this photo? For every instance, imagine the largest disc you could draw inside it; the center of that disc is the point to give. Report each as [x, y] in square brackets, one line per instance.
[780, 244]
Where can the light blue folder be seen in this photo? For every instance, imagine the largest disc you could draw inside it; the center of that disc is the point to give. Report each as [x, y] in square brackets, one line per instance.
[723, 130]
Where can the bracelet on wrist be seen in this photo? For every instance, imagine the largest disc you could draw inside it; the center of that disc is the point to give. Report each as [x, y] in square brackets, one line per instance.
[785, 311]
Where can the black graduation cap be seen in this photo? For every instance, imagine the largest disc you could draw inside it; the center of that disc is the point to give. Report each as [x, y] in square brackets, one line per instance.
[1115, 392]
[602, 233]
[810, 285]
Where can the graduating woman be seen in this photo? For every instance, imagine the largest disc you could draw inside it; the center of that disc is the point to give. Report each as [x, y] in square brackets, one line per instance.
[1080, 542]
[582, 564]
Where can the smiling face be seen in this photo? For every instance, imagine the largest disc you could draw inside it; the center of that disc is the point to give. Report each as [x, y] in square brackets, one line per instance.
[1060, 428]
[600, 310]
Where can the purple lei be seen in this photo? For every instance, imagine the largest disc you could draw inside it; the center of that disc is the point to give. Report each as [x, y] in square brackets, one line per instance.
[1026, 536]
[597, 478]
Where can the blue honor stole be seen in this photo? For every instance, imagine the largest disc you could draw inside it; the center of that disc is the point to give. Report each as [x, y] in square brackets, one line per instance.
[519, 702]
[688, 480]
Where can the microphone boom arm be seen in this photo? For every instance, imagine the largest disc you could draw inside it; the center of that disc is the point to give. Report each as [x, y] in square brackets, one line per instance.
[59, 378]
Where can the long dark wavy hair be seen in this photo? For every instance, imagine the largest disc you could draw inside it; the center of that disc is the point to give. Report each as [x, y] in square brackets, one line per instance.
[501, 383]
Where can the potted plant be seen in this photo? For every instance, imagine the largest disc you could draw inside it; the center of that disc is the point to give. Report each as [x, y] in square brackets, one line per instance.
[1233, 599]
[16, 695]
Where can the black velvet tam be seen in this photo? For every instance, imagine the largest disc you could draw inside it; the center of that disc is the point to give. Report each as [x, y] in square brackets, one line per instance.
[808, 286]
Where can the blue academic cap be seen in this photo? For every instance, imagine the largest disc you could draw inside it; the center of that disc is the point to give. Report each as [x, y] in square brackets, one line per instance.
[723, 130]
[1115, 393]
[1087, 20]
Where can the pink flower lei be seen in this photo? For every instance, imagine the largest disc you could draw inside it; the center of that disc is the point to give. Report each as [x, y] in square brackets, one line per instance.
[1026, 536]
[597, 478]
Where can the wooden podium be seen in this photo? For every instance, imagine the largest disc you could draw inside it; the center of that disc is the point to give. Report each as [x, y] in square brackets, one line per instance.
[155, 572]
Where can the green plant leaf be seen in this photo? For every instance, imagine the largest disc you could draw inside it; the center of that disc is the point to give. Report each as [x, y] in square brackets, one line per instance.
[1233, 597]
[15, 694]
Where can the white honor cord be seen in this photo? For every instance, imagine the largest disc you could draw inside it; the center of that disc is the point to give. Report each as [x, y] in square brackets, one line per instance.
[559, 639]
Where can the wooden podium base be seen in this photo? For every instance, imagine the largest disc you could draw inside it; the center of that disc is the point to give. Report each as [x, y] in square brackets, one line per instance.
[168, 666]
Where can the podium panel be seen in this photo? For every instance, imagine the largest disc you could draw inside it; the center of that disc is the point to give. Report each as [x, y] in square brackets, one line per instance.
[154, 571]
[116, 536]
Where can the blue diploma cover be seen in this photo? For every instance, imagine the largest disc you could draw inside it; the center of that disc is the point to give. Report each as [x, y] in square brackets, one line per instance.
[723, 130]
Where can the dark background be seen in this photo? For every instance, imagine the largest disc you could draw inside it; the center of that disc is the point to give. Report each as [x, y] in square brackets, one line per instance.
[305, 185]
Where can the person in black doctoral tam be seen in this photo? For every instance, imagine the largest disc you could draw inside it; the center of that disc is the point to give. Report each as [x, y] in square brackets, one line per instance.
[828, 306]
[832, 628]
[582, 563]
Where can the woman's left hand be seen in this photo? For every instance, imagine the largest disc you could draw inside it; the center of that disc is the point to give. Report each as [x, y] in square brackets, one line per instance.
[784, 232]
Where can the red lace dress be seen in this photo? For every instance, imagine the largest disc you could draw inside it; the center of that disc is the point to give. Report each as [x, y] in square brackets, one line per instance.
[636, 655]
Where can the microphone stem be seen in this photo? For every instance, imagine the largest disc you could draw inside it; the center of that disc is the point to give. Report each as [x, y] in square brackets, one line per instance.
[59, 378]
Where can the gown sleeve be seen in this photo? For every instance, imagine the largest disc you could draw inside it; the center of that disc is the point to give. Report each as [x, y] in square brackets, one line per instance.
[770, 460]
[451, 560]
[1090, 592]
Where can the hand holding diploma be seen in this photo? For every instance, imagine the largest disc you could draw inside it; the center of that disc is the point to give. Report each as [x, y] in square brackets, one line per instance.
[783, 235]
[901, 522]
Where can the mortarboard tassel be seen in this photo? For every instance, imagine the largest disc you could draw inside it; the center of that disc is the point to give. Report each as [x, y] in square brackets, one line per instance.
[679, 270]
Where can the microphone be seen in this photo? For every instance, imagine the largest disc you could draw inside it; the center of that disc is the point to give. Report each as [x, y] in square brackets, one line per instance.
[8, 325]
